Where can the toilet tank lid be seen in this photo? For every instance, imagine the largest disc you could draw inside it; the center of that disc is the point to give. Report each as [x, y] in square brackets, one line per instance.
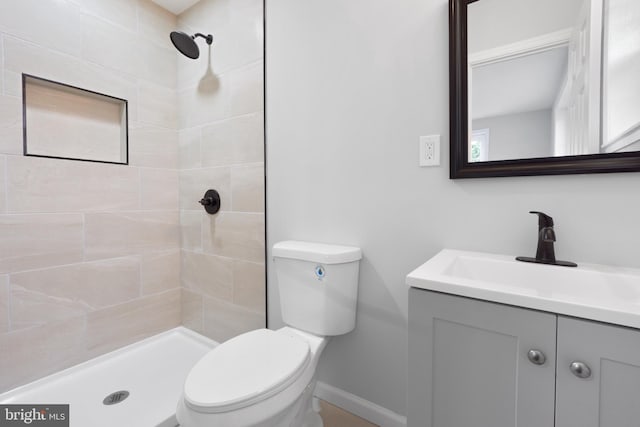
[316, 252]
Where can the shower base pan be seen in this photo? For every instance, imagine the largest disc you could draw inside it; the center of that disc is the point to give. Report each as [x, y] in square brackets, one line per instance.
[151, 371]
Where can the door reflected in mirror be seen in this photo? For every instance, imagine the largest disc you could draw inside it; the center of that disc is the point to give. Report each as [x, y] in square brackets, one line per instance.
[550, 78]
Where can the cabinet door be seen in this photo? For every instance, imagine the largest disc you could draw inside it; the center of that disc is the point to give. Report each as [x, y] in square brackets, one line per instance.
[610, 395]
[468, 364]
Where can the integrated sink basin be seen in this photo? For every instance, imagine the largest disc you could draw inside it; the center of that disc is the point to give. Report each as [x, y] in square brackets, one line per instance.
[590, 291]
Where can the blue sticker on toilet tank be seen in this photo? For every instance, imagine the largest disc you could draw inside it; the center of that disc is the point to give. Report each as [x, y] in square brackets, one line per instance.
[320, 272]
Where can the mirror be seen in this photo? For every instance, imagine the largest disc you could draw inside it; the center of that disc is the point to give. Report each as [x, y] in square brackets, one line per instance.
[541, 87]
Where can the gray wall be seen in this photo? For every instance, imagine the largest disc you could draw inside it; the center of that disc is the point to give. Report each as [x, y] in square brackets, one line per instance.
[519, 20]
[350, 87]
[518, 136]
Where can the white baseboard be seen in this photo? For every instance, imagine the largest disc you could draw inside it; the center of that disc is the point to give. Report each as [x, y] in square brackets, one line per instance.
[359, 406]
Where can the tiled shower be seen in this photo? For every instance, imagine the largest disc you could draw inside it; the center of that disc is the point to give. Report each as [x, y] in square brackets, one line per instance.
[95, 256]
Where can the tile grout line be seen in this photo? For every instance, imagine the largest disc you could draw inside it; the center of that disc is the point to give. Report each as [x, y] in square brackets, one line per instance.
[229, 165]
[259, 112]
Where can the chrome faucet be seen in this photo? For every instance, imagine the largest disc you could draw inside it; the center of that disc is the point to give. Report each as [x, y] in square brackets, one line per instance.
[545, 253]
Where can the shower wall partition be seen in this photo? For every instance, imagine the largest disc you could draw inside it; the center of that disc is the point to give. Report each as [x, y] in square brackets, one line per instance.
[221, 142]
[96, 256]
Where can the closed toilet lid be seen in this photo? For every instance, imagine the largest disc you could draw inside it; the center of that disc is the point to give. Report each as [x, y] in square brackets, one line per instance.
[245, 370]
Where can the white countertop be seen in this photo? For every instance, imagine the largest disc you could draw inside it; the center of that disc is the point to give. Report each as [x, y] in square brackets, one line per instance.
[590, 291]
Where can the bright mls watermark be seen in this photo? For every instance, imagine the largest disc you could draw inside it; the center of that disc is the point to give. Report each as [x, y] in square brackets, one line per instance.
[34, 415]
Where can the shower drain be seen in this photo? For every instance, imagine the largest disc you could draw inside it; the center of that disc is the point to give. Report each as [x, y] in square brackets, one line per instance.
[116, 397]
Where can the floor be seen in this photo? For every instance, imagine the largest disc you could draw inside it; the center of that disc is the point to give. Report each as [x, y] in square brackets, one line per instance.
[336, 417]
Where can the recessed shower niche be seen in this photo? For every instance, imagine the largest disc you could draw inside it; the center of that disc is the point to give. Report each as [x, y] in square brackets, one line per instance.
[67, 122]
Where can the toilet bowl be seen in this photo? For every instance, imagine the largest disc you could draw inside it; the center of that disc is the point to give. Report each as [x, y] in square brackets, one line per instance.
[265, 378]
[262, 383]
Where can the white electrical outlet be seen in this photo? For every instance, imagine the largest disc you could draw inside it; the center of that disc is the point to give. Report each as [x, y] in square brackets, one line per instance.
[430, 150]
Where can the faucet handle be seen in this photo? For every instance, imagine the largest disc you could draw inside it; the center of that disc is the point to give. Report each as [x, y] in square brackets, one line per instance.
[547, 234]
[544, 220]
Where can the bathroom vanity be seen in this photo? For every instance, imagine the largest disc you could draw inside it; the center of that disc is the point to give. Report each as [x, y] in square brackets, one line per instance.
[498, 343]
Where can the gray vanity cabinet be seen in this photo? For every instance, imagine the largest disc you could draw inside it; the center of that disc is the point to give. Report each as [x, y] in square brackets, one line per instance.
[609, 396]
[471, 364]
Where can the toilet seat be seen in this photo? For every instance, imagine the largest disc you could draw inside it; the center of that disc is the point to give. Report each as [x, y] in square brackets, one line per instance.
[245, 370]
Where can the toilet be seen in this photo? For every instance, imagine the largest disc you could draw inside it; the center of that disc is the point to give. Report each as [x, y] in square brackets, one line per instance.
[265, 378]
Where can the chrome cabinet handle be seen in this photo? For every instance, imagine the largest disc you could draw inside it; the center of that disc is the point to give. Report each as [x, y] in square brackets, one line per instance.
[580, 369]
[536, 357]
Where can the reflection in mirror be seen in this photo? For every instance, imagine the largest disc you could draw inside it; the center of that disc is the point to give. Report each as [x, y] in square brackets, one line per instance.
[536, 72]
[518, 111]
[621, 71]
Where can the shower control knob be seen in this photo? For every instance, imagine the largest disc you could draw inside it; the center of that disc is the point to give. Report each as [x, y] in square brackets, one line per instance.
[211, 201]
[536, 357]
[580, 369]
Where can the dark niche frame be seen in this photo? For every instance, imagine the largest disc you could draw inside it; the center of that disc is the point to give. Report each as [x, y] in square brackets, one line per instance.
[71, 88]
[460, 167]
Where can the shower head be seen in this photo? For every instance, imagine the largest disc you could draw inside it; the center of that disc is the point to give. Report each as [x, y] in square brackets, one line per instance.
[186, 44]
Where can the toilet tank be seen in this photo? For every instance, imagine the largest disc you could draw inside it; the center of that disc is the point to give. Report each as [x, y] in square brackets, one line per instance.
[318, 286]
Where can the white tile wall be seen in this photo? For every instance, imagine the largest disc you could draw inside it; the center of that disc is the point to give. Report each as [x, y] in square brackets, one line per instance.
[118, 12]
[25, 57]
[192, 310]
[159, 272]
[89, 252]
[248, 285]
[155, 23]
[222, 146]
[1, 65]
[41, 296]
[207, 274]
[235, 235]
[110, 45]
[4, 304]
[247, 187]
[54, 24]
[116, 234]
[10, 125]
[191, 230]
[205, 102]
[41, 350]
[96, 256]
[40, 240]
[236, 140]
[189, 146]
[155, 63]
[159, 189]
[53, 185]
[3, 190]
[224, 320]
[157, 105]
[123, 324]
[153, 146]
[247, 89]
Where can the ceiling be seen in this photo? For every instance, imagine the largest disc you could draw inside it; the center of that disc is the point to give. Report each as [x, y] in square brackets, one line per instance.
[175, 6]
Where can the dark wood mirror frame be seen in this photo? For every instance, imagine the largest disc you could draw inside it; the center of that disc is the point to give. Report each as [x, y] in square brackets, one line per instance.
[459, 125]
